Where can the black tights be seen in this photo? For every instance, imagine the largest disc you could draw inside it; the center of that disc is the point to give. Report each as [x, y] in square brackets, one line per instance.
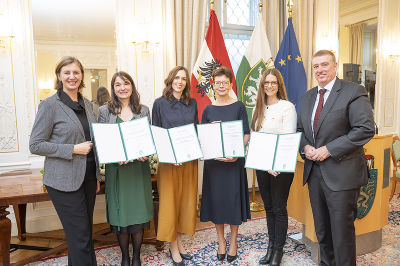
[123, 240]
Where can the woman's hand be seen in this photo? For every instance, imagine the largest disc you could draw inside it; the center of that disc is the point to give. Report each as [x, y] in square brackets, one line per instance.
[227, 159]
[142, 159]
[273, 173]
[122, 163]
[98, 186]
[83, 148]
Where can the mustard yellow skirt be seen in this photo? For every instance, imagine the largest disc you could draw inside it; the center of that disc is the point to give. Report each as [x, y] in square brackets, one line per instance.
[177, 188]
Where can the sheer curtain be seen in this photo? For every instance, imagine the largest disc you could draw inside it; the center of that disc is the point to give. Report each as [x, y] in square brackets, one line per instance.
[356, 43]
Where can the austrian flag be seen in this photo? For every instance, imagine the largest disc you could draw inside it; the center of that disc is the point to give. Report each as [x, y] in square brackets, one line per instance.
[213, 54]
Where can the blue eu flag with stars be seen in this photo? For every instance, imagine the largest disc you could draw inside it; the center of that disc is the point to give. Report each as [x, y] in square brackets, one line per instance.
[289, 62]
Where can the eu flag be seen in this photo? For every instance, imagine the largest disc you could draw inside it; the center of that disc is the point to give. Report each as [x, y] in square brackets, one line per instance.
[289, 62]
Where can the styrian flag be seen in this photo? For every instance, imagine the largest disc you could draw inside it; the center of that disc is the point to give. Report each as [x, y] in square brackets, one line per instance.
[256, 59]
[212, 55]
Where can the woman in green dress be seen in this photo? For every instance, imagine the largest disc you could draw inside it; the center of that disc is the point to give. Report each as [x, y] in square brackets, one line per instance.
[128, 184]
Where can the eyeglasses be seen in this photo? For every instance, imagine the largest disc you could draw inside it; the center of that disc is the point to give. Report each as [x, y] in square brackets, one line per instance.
[272, 83]
[224, 83]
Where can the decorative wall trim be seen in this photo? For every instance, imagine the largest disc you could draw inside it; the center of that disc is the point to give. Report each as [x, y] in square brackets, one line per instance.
[8, 120]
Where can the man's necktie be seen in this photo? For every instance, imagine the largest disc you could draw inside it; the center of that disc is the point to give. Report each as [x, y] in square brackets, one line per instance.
[319, 108]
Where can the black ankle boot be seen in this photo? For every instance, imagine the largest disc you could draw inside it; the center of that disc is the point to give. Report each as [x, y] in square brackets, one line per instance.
[267, 258]
[276, 257]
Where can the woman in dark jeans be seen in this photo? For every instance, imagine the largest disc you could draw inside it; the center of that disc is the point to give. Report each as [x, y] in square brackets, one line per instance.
[274, 114]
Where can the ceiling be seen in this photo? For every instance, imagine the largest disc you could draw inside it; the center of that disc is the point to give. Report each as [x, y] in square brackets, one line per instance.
[74, 20]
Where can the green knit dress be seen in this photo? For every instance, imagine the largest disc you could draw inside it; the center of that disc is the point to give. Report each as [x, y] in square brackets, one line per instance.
[128, 195]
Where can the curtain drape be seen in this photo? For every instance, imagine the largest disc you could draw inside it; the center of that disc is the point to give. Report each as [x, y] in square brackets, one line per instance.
[303, 23]
[356, 43]
[183, 32]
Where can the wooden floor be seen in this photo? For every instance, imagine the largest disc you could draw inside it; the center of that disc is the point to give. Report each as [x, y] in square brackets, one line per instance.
[21, 254]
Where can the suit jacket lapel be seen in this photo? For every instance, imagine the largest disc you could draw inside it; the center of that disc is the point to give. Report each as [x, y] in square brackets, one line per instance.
[309, 110]
[112, 118]
[71, 115]
[333, 95]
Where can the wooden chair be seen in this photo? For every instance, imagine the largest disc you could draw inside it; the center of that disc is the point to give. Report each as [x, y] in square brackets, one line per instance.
[396, 164]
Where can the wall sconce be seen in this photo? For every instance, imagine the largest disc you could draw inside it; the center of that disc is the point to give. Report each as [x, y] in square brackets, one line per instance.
[5, 32]
[395, 57]
[146, 36]
[324, 41]
[4, 40]
[392, 50]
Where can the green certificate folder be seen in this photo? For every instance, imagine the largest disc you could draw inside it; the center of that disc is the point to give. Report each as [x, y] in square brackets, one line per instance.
[276, 152]
[219, 140]
[119, 142]
[176, 145]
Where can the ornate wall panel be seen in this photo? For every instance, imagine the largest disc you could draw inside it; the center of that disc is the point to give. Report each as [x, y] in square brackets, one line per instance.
[8, 120]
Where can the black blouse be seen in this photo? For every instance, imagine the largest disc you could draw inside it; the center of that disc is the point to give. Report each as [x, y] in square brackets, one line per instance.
[79, 109]
[168, 114]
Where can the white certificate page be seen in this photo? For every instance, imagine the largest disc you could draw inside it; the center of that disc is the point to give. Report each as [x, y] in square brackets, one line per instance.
[108, 142]
[185, 143]
[210, 140]
[163, 145]
[286, 152]
[137, 138]
[232, 135]
[260, 154]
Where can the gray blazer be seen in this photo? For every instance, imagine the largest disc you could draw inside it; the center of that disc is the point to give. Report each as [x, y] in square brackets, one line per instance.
[55, 132]
[345, 124]
[105, 116]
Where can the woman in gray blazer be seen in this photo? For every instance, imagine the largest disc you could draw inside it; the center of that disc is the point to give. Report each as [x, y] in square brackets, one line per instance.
[61, 132]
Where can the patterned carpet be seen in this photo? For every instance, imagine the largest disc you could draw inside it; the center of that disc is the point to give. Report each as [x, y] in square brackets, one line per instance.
[252, 245]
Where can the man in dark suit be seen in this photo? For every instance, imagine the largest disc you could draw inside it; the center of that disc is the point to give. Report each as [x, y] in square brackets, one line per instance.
[336, 121]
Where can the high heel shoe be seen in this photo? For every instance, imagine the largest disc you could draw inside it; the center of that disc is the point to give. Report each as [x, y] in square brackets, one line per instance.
[186, 256]
[222, 256]
[230, 258]
[181, 263]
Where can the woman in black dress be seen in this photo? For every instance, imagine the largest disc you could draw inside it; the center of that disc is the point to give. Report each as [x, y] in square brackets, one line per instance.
[225, 196]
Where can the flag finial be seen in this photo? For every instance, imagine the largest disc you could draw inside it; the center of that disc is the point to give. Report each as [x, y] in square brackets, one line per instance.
[290, 8]
[211, 4]
[260, 6]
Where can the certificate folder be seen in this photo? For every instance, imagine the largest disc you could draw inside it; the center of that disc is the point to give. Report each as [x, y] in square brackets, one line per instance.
[276, 152]
[219, 140]
[176, 145]
[119, 142]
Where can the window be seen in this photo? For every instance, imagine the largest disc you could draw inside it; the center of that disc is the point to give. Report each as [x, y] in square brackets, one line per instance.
[237, 19]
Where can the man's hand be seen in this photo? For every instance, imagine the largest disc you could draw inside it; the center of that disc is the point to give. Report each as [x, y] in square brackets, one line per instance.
[309, 151]
[320, 154]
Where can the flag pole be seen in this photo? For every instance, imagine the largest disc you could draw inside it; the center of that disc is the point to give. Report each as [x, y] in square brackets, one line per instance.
[256, 206]
[211, 4]
[290, 8]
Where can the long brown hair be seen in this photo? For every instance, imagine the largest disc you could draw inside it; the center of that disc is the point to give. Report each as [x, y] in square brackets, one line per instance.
[258, 116]
[64, 61]
[115, 105]
[167, 92]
